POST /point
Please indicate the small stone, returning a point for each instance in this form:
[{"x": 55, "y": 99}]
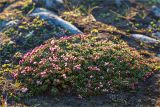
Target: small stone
[
  {"x": 139, "y": 100},
  {"x": 7, "y": 61},
  {"x": 153, "y": 101}
]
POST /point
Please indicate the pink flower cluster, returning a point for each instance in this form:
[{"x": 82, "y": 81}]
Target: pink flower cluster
[
  {"x": 66, "y": 37},
  {"x": 43, "y": 61},
  {"x": 53, "y": 59},
  {"x": 93, "y": 68},
  {"x": 149, "y": 74},
  {"x": 15, "y": 75},
  {"x": 56, "y": 67},
  {"x": 28, "y": 69},
  {"x": 43, "y": 74},
  {"x": 77, "y": 67},
  {"x": 82, "y": 36},
  {"x": 30, "y": 53},
  {"x": 54, "y": 47}
]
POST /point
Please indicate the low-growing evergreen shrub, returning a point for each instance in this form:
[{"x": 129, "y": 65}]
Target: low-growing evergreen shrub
[{"x": 86, "y": 65}]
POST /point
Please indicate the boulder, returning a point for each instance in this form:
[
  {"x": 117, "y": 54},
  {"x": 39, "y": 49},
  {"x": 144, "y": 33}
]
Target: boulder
[
  {"x": 144, "y": 38},
  {"x": 2, "y": 24},
  {"x": 54, "y": 19},
  {"x": 157, "y": 35},
  {"x": 156, "y": 11},
  {"x": 50, "y": 4}
]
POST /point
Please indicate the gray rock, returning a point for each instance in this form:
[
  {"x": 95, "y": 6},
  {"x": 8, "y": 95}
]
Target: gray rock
[
  {"x": 50, "y": 4},
  {"x": 5, "y": 25},
  {"x": 156, "y": 11},
  {"x": 2, "y": 24},
  {"x": 157, "y": 35},
  {"x": 7, "y": 61},
  {"x": 55, "y": 20},
  {"x": 118, "y": 3},
  {"x": 144, "y": 38}
]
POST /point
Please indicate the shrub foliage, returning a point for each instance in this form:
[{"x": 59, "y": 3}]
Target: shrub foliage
[{"x": 82, "y": 64}]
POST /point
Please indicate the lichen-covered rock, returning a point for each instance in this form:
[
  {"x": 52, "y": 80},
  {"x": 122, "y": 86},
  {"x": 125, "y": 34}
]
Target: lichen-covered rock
[
  {"x": 144, "y": 38},
  {"x": 53, "y": 19},
  {"x": 157, "y": 35},
  {"x": 5, "y": 25},
  {"x": 2, "y": 24},
  {"x": 156, "y": 11}
]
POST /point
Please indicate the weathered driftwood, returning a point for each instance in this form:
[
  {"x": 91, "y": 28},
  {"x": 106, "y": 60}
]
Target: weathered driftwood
[{"x": 52, "y": 18}]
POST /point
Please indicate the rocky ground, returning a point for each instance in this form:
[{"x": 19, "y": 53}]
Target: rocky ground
[{"x": 136, "y": 23}]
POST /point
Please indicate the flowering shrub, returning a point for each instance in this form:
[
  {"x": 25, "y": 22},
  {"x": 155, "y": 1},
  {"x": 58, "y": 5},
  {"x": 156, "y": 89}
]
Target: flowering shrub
[{"x": 82, "y": 64}]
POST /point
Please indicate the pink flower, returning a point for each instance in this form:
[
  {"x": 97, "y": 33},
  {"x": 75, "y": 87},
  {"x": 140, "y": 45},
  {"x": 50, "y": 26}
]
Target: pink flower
[
  {"x": 77, "y": 67},
  {"x": 64, "y": 76},
  {"x": 30, "y": 53},
  {"x": 66, "y": 37},
  {"x": 43, "y": 61},
  {"x": 73, "y": 58},
  {"x": 96, "y": 57},
  {"x": 28, "y": 69},
  {"x": 43, "y": 74},
  {"x": 91, "y": 76},
  {"x": 23, "y": 71},
  {"x": 35, "y": 63},
  {"x": 50, "y": 59},
  {"x": 93, "y": 68},
  {"x": 65, "y": 58},
  {"x": 15, "y": 75},
  {"x": 55, "y": 59},
  {"x": 56, "y": 67},
  {"x": 52, "y": 49}
]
